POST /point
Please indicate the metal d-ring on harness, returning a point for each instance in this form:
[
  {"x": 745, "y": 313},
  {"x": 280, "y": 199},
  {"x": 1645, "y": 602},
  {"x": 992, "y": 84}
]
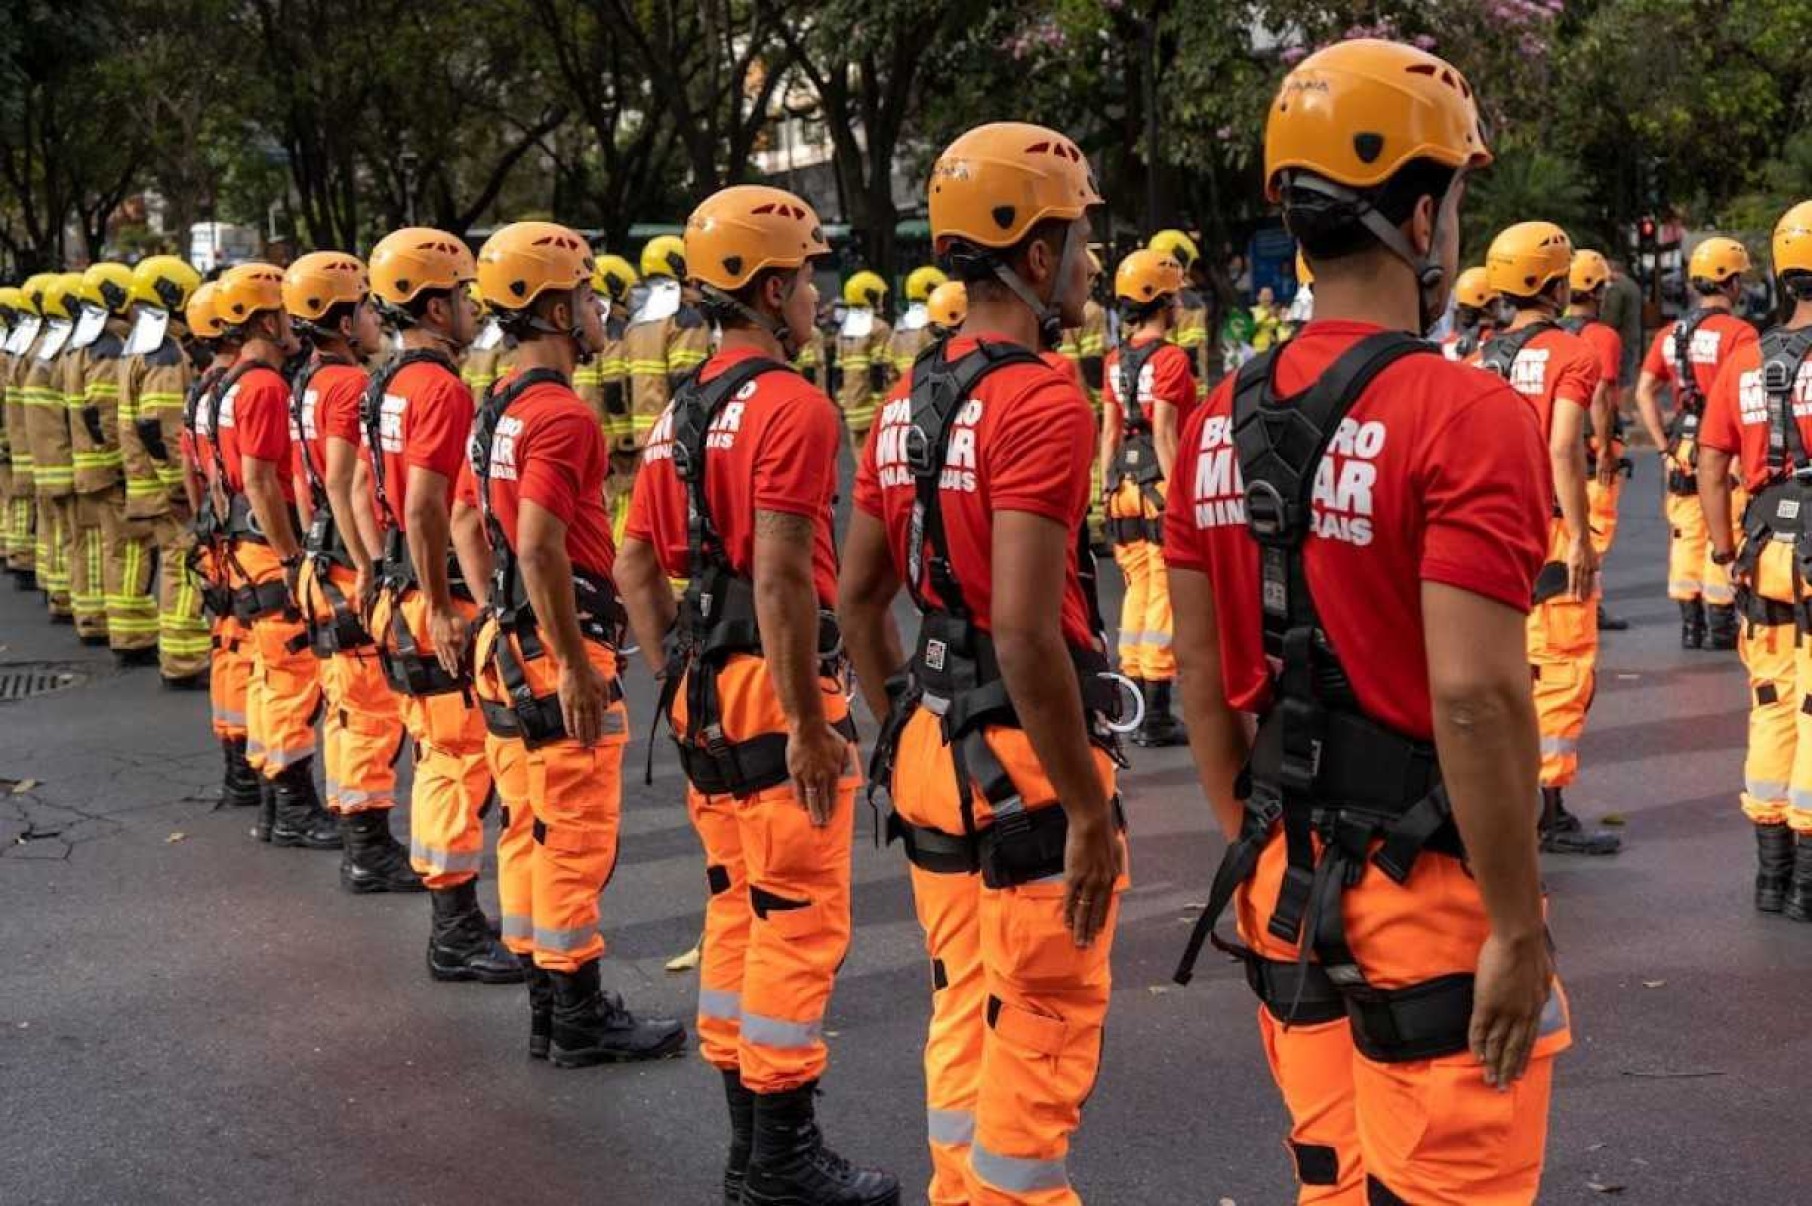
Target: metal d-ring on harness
[
  {"x": 1320, "y": 767},
  {"x": 406, "y": 668},
  {"x": 322, "y": 544},
  {"x": 1136, "y": 461},
  {"x": 1779, "y": 512},
  {"x": 209, "y": 526},
  {"x": 255, "y": 600},
  {"x": 1689, "y": 407},
  {"x": 717, "y": 616},
  {"x": 536, "y": 719},
  {"x": 954, "y": 672}
]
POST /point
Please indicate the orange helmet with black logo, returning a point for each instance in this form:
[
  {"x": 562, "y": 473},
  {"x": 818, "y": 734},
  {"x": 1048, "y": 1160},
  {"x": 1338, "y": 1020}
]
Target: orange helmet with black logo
[
  {"x": 246, "y": 291},
  {"x": 1528, "y": 257},
  {"x": 995, "y": 183},
  {"x": 321, "y": 280},
  {"x": 1146, "y": 275},
  {"x": 738, "y": 232},
  {"x": 526, "y": 259}
]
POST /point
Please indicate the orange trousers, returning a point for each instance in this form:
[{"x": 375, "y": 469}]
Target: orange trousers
[
  {"x": 1601, "y": 510},
  {"x": 1017, "y": 1010},
  {"x": 362, "y": 725},
  {"x": 1563, "y": 658},
  {"x": 1777, "y": 765},
  {"x": 777, "y": 921},
  {"x": 229, "y": 677},
  {"x": 1145, "y": 620},
  {"x": 284, "y": 697},
  {"x": 452, "y": 781},
  {"x": 563, "y": 805},
  {"x": 1431, "y": 1132},
  {"x": 1690, "y": 572}
]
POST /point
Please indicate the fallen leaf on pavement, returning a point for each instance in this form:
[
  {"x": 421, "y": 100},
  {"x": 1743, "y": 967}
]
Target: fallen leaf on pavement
[
  {"x": 23, "y": 786},
  {"x": 1603, "y": 1187},
  {"x": 685, "y": 962},
  {"x": 1654, "y": 984},
  {"x": 1614, "y": 819},
  {"x": 178, "y": 836}
]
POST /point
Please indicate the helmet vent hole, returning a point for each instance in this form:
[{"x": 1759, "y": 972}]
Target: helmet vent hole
[
  {"x": 1368, "y": 147},
  {"x": 519, "y": 288},
  {"x": 1003, "y": 216},
  {"x": 733, "y": 265}
]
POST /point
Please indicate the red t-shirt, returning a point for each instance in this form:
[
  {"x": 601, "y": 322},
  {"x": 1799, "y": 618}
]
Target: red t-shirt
[
  {"x": 1717, "y": 337},
  {"x": 330, "y": 407},
  {"x": 1165, "y": 378},
  {"x": 426, "y": 423},
  {"x": 772, "y": 448},
  {"x": 1736, "y": 413},
  {"x": 254, "y": 422},
  {"x": 1025, "y": 441},
  {"x": 549, "y": 450},
  {"x": 1555, "y": 366},
  {"x": 1604, "y": 340},
  {"x": 1069, "y": 368},
  {"x": 1438, "y": 473}
]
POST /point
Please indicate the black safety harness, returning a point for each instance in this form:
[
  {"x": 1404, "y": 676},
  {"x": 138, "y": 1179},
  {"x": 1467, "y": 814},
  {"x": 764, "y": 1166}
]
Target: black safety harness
[
  {"x": 255, "y": 600},
  {"x": 1137, "y": 458},
  {"x": 209, "y": 525},
  {"x": 535, "y": 719},
  {"x": 1321, "y": 769},
  {"x": 954, "y": 672},
  {"x": 1780, "y": 511},
  {"x": 407, "y": 669},
  {"x": 1689, "y": 407},
  {"x": 717, "y": 617},
  {"x": 1468, "y": 341},
  {"x": 322, "y": 545}
]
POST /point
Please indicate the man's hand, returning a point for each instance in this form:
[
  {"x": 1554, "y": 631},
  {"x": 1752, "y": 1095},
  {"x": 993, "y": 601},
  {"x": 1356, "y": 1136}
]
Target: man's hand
[
  {"x": 364, "y": 588},
  {"x": 1515, "y": 978},
  {"x": 292, "y": 580},
  {"x": 1091, "y": 867},
  {"x": 1582, "y": 567},
  {"x": 1607, "y": 469},
  {"x": 584, "y": 696},
  {"x": 451, "y": 634},
  {"x": 816, "y": 757}
]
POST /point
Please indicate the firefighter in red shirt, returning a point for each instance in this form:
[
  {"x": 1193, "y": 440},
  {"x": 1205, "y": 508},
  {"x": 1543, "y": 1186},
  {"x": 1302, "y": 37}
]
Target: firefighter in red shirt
[
  {"x": 264, "y": 546},
  {"x": 972, "y": 495},
  {"x": 417, "y": 419},
  {"x": 1148, "y": 391},
  {"x": 1687, "y": 356},
  {"x": 1559, "y": 373},
  {"x": 1353, "y": 565},
  {"x": 327, "y": 295},
  {"x": 1607, "y": 465},
  {"x": 1760, "y": 413},
  {"x": 540, "y": 461},
  {"x": 735, "y": 494}
]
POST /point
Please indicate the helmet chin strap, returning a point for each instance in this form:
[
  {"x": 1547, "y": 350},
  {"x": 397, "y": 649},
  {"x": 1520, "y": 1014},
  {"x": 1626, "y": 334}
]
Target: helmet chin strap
[
  {"x": 777, "y": 327},
  {"x": 1049, "y": 314},
  {"x": 1430, "y": 275}
]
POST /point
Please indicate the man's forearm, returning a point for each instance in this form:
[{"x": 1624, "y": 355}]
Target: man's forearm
[
  {"x": 1570, "y": 491},
  {"x": 472, "y": 550},
  {"x": 1041, "y": 682},
  {"x": 786, "y": 608},
  {"x": 647, "y": 598},
  {"x": 1219, "y": 745},
  {"x": 547, "y": 575},
  {"x": 345, "y": 511},
  {"x": 1488, "y": 748},
  {"x": 430, "y": 530},
  {"x": 1714, "y": 496},
  {"x": 1648, "y": 405},
  {"x": 266, "y": 497}
]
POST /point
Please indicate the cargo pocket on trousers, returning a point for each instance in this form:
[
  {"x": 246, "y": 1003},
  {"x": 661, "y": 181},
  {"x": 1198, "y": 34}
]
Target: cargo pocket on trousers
[
  {"x": 1028, "y": 1029},
  {"x": 791, "y": 919},
  {"x": 1034, "y": 942}
]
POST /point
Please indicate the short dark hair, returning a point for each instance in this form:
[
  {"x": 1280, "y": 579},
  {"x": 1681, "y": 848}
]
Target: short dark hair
[{"x": 1330, "y": 230}]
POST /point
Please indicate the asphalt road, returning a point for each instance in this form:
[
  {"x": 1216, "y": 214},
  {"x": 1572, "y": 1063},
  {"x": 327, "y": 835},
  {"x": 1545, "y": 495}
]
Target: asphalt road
[{"x": 189, "y": 1017}]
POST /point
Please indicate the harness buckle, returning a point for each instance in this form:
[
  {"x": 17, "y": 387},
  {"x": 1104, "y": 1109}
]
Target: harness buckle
[
  {"x": 1301, "y": 745},
  {"x": 918, "y": 452},
  {"x": 1267, "y": 514}
]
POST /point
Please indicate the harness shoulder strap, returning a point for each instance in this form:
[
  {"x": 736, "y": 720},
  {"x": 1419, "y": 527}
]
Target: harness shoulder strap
[
  {"x": 495, "y": 405},
  {"x": 1500, "y": 354},
  {"x": 1783, "y": 354},
  {"x": 1686, "y": 385},
  {"x": 298, "y": 396},
  {"x": 1133, "y": 419},
  {"x": 216, "y": 401},
  {"x": 371, "y": 414},
  {"x": 696, "y": 405}
]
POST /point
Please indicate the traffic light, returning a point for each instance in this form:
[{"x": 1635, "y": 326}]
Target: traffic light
[{"x": 1645, "y": 234}]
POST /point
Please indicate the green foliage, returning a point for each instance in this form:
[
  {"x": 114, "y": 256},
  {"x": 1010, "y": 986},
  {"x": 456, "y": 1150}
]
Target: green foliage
[{"x": 1525, "y": 184}]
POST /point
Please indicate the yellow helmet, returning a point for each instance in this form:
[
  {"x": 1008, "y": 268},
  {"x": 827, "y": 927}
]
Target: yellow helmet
[
  {"x": 1146, "y": 275},
  {"x": 996, "y": 182},
  {"x": 665, "y": 255},
  {"x": 32, "y": 292},
  {"x": 1356, "y": 112},
  {"x": 1717, "y": 259},
  {"x": 1793, "y": 240},
  {"x": 920, "y": 282},
  {"x": 164, "y": 281},
  {"x": 526, "y": 259},
  {"x": 477, "y": 296},
  {"x": 1590, "y": 270},
  {"x": 246, "y": 291},
  {"x": 613, "y": 278},
  {"x": 1474, "y": 289},
  {"x": 1305, "y": 275},
  {"x": 1528, "y": 257},
  {"x": 11, "y": 299},
  {"x": 107, "y": 286},
  {"x": 1181, "y": 247},
  {"x": 948, "y": 305},
  {"x": 59, "y": 296},
  {"x": 865, "y": 288}
]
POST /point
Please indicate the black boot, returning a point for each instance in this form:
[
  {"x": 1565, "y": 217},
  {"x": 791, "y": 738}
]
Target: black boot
[
  {"x": 540, "y": 1004},
  {"x": 592, "y": 1026},
  {"x": 187, "y": 682},
  {"x": 25, "y": 580},
  {"x": 462, "y": 947},
  {"x": 790, "y": 1165},
  {"x": 1799, "y": 889},
  {"x": 1773, "y": 866},
  {"x": 267, "y": 809},
  {"x": 301, "y": 821},
  {"x": 1561, "y": 832},
  {"x": 1160, "y": 728},
  {"x": 1610, "y": 623},
  {"x": 239, "y": 789},
  {"x": 1721, "y": 629},
  {"x": 742, "y": 1134},
  {"x": 135, "y": 657},
  {"x": 374, "y": 861},
  {"x": 1692, "y": 624}
]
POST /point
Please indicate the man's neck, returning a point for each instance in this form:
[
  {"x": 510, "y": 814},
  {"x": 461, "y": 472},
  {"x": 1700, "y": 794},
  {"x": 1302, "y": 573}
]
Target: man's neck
[
  {"x": 334, "y": 349},
  {"x": 1010, "y": 318},
  {"x": 428, "y": 339},
  {"x": 1151, "y": 328},
  {"x": 1717, "y": 301},
  {"x": 547, "y": 352},
  {"x": 1529, "y": 317},
  {"x": 1586, "y": 310},
  {"x": 754, "y": 339},
  {"x": 1389, "y": 299},
  {"x": 262, "y": 351},
  {"x": 1801, "y": 316}
]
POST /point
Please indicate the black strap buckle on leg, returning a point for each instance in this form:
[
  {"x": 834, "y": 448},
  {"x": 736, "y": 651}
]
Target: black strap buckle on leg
[{"x": 1237, "y": 867}]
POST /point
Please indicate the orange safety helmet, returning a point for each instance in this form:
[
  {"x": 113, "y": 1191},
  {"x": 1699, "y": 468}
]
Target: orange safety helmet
[
  {"x": 1717, "y": 259},
  {"x": 738, "y": 232},
  {"x": 246, "y": 291},
  {"x": 202, "y": 317},
  {"x": 1528, "y": 257},
  {"x": 995, "y": 183},
  {"x": 410, "y": 261},
  {"x": 1357, "y": 112},
  {"x": 948, "y": 305},
  {"x": 321, "y": 280},
  {"x": 1793, "y": 240},
  {"x": 1473, "y": 289},
  {"x": 525, "y": 259},
  {"x": 1590, "y": 270},
  {"x": 1146, "y": 275}
]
